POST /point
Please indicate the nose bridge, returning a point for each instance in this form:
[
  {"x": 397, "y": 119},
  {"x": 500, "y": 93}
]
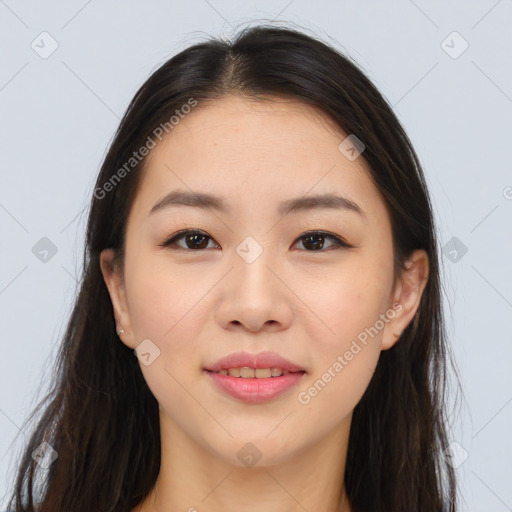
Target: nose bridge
[
  {"x": 251, "y": 264},
  {"x": 250, "y": 249}
]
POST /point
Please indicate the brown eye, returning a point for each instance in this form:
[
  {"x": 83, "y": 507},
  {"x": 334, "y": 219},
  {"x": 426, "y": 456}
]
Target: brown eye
[
  {"x": 194, "y": 240},
  {"x": 314, "y": 241}
]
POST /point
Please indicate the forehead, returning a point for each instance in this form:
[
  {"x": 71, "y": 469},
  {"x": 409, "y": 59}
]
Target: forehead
[
  {"x": 255, "y": 151},
  {"x": 274, "y": 127}
]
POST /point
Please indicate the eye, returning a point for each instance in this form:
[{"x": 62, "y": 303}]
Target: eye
[
  {"x": 315, "y": 240},
  {"x": 196, "y": 240}
]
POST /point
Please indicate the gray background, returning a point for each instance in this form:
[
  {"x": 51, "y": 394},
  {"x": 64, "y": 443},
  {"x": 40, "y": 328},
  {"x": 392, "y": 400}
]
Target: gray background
[{"x": 59, "y": 113}]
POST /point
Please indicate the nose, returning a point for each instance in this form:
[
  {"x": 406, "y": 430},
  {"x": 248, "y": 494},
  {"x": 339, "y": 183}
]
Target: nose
[{"x": 255, "y": 297}]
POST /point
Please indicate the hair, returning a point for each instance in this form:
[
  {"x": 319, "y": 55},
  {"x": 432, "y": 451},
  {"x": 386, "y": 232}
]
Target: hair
[{"x": 101, "y": 417}]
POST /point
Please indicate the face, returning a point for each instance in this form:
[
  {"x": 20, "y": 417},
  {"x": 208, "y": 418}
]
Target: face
[{"x": 262, "y": 270}]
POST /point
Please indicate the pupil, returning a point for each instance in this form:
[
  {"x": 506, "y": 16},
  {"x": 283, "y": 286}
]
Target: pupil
[
  {"x": 317, "y": 245},
  {"x": 193, "y": 239}
]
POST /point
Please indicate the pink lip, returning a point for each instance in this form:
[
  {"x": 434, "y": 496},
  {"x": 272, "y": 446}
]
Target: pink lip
[
  {"x": 255, "y": 390},
  {"x": 261, "y": 360}
]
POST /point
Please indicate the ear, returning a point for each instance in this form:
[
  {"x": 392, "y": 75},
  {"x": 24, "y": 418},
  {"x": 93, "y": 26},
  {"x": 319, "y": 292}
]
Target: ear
[
  {"x": 407, "y": 294},
  {"x": 114, "y": 279}
]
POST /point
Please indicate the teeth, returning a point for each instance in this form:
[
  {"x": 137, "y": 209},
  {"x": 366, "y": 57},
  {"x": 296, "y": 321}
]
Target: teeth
[
  {"x": 251, "y": 373},
  {"x": 262, "y": 373},
  {"x": 247, "y": 373}
]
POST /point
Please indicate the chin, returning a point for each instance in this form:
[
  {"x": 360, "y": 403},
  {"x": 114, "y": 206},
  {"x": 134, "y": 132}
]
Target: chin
[{"x": 252, "y": 451}]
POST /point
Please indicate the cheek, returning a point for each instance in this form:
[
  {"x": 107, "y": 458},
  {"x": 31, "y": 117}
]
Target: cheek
[
  {"x": 166, "y": 309},
  {"x": 345, "y": 355},
  {"x": 163, "y": 303},
  {"x": 347, "y": 325},
  {"x": 152, "y": 305},
  {"x": 347, "y": 300},
  {"x": 330, "y": 396}
]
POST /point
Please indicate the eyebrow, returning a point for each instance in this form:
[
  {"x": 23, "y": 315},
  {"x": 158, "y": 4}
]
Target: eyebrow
[{"x": 177, "y": 198}]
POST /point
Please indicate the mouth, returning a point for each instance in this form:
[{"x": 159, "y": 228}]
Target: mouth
[
  {"x": 247, "y": 372},
  {"x": 254, "y": 385},
  {"x": 254, "y": 378},
  {"x": 260, "y": 366}
]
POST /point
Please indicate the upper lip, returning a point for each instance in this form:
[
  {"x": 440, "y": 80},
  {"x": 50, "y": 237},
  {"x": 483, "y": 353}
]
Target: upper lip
[{"x": 261, "y": 360}]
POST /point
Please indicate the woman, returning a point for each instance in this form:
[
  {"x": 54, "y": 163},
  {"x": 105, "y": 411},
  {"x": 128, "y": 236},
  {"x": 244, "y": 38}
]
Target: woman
[{"x": 262, "y": 240}]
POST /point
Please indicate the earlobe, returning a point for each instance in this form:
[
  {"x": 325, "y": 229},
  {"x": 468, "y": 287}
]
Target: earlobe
[
  {"x": 112, "y": 275},
  {"x": 408, "y": 293}
]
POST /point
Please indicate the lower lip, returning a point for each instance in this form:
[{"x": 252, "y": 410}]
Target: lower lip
[{"x": 255, "y": 391}]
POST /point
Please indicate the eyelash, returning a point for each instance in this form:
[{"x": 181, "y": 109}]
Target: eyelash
[{"x": 339, "y": 242}]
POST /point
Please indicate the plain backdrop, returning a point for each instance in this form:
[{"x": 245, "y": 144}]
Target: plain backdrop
[{"x": 69, "y": 69}]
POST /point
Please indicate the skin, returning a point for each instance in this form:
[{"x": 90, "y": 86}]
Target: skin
[{"x": 307, "y": 305}]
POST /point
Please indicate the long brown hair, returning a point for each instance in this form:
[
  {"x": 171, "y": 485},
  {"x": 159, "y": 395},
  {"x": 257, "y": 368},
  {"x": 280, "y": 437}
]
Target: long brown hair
[{"x": 100, "y": 416}]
